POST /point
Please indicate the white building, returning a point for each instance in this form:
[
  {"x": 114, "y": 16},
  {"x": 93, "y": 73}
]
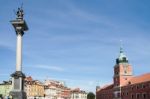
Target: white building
[
  {"x": 52, "y": 92},
  {"x": 78, "y": 94},
  {"x": 56, "y": 90}
]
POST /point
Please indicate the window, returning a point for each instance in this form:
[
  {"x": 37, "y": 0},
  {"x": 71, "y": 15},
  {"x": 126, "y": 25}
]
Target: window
[
  {"x": 137, "y": 87},
  {"x": 124, "y": 58},
  {"x": 143, "y": 86},
  {"x": 144, "y": 96},
  {"x": 125, "y": 71},
  {"x": 77, "y": 96},
  {"x": 132, "y": 96},
  {"x": 127, "y": 93},
  {"x": 116, "y": 72},
  {"x": 118, "y": 94},
  {"x": 137, "y": 96},
  {"x": 132, "y": 87}
]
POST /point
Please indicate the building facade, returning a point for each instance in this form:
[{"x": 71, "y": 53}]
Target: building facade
[
  {"x": 50, "y": 89},
  {"x": 33, "y": 88},
  {"x": 5, "y": 88},
  {"x": 125, "y": 85},
  {"x": 56, "y": 90},
  {"x": 78, "y": 94}
]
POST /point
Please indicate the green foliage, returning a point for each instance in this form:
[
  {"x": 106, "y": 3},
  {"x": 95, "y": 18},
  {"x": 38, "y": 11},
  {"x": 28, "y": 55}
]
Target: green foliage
[{"x": 91, "y": 95}]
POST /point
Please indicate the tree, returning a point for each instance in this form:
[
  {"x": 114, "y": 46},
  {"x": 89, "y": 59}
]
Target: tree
[{"x": 91, "y": 95}]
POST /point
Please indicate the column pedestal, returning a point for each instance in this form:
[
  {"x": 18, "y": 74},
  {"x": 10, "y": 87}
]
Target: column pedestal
[
  {"x": 18, "y": 85},
  {"x": 18, "y": 95}
]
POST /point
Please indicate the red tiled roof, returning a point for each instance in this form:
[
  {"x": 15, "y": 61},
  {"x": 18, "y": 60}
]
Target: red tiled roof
[
  {"x": 28, "y": 78},
  {"x": 139, "y": 79},
  {"x": 133, "y": 80},
  {"x": 77, "y": 90}
]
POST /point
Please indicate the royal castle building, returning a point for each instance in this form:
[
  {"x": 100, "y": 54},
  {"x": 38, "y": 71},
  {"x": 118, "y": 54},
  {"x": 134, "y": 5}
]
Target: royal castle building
[{"x": 125, "y": 85}]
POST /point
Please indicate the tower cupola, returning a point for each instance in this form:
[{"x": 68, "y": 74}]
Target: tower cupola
[{"x": 122, "y": 57}]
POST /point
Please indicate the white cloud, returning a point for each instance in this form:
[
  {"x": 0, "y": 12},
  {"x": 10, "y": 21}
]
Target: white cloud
[{"x": 54, "y": 68}]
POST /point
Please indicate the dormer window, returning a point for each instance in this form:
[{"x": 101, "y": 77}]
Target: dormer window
[
  {"x": 124, "y": 58},
  {"x": 117, "y": 61},
  {"x": 130, "y": 83}
]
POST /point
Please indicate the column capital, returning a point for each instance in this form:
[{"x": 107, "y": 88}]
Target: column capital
[
  {"x": 18, "y": 74},
  {"x": 19, "y": 32}
]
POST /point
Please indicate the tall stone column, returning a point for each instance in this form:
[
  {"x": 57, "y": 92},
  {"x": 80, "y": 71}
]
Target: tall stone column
[
  {"x": 19, "y": 51},
  {"x": 18, "y": 76}
]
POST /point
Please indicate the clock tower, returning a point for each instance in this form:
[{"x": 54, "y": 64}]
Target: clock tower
[{"x": 122, "y": 73}]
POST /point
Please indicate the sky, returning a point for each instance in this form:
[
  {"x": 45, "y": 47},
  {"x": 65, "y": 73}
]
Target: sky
[{"x": 76, "y": 41}]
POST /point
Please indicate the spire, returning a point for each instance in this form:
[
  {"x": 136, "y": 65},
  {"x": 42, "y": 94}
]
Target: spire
[
  {"x": 121, "y": 47},
  {"x": 121, "y": 54}
]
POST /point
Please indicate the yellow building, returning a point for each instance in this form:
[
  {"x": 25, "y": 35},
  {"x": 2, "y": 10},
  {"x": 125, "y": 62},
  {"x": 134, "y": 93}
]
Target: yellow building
[{"x": 34, "y": 88}]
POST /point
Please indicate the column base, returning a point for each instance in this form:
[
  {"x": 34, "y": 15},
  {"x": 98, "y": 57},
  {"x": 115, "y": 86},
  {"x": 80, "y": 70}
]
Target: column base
[
  {"x": 18, "y": 95},
  {"x": 18, "y": 86}
]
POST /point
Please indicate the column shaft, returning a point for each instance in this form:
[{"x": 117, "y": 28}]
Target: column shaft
[{"x": 19, "y": 53}]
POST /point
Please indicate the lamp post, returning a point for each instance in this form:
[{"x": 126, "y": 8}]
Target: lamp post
[{"x": 18, "y": 76}]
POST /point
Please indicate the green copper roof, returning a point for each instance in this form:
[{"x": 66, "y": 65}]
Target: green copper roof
[
  {"x": 121, "y": 54},
  {"x": 122, "y": 57}
]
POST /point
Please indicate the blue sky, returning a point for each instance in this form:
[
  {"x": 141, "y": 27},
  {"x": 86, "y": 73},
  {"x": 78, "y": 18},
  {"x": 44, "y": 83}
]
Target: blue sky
[{"x": 76, "y": 41}]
